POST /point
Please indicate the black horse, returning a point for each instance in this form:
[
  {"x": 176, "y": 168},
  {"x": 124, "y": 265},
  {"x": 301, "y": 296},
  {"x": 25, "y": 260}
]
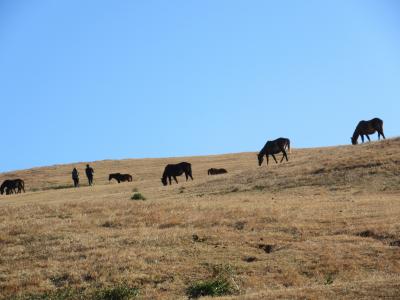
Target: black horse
[
  {"x": 120, "y": 177},
  {"x": 366, "y": 128},
  {"x": 214, "y": 171},
  {"x": 12, "y": 186},
  {"x": 274, "y": 147},
  {"x": 173, "y": 170}
]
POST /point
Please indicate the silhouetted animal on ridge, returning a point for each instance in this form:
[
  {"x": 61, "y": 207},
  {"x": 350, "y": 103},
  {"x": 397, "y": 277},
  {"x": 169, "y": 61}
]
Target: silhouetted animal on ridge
[
  {"x": 173, "y": 170},
  {"x": 214, "y": 171},
  {"x": 120, "y": 177},
  {"x": 366, "y": 128},
  {"x": 12, "y": 186},
  {"x": 274, "y": 147}
]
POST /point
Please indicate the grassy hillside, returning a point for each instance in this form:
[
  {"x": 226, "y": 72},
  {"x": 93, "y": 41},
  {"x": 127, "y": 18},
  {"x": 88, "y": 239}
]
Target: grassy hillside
[{"x": 323, "y": 225}]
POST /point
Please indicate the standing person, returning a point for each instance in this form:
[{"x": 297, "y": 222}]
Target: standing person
[
  {"x": 89, "y": 173},
  {"x": 75, "y": 177}
]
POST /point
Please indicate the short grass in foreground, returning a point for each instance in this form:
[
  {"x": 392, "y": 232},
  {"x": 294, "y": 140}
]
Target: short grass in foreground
[{"x": 324, "y": 225}]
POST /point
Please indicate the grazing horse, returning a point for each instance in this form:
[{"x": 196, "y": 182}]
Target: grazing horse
[
  {"x": 173, "y": 170},
  {"x": 366, "y": 128},
  {"x": 12, "y": 186},
  {"x": 214, "y": 171},
  {"x": 120, "y": 177},
  {"x": 274, "y": 147}
]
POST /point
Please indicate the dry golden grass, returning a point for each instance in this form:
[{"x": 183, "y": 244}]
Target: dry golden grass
[{"x": 329, "y": 219}]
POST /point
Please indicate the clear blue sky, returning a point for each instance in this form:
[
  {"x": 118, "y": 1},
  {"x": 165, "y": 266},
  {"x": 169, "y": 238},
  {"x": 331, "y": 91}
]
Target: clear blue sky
[{"x": 91, "y": 80}]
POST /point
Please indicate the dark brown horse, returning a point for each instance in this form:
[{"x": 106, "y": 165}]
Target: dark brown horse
[
  {"x": 173, "y": 170},
  {"x": 12, "y": 186},
  {"x": 366, "y": 128},
  {"x": 274, "y": 147},
  {"x": 214, "y": 171},
  {"x": 120, "y": 177}
]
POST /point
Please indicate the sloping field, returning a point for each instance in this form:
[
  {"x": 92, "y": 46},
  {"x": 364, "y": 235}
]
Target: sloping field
[{"x": 326, "y": 224}]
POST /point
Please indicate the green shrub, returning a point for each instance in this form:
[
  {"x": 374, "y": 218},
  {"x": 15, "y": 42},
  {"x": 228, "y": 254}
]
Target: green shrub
[
  {"x": 121, "y": 292},
  {"x": 138, "y": 196},
  {"x": 213, "y": 287}
]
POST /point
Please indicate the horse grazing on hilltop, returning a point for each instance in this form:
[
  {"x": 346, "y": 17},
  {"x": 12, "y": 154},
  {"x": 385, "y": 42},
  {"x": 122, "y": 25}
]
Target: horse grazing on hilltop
[
  {"x": 274, "y": 147},
  {"x": 366, "y": 128},
  {"x": 120, "y": 177},
  {"x": 173, "y": 170},
  {"x": 214, "y": 171},
  {"x": 12, "y": 186}
]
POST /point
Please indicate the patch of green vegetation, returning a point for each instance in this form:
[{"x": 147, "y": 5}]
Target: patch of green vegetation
[
  {"x": 119, "y": 292},
  {"x": 221, "y": 283},
  {"x": 212, "y": 287},
  {"x": 138, "y": 196}
]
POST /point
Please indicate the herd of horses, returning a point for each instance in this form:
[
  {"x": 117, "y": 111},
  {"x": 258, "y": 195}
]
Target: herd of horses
[{"x": 280, "y": 145}]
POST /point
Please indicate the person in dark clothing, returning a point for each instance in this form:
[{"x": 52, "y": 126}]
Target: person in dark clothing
[
  {"x": 75, "y": 177},
  {"x": 89, "y": 173}
]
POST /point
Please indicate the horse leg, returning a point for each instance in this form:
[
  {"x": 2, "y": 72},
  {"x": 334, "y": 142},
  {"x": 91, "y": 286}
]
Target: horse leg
[
  {"x": 284, "y": 155},
  {"x": 175, "y": 179},
  {"x": 273, "y": 156},
  {"x": 190, "y": 175},
  {"x": 362, "y": 138},
  {"x": 267, "y": 158},
  {"x": 186, "y": 175},
  {"x": 368, "y": 138},
  {"x": 169, "y": 178}
]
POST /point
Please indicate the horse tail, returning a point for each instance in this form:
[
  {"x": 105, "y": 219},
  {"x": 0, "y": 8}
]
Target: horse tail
[
  {"x": 22, "y": 184},
  {"x": 190, "y": 171},
  {"x": 288, "y": 145}
]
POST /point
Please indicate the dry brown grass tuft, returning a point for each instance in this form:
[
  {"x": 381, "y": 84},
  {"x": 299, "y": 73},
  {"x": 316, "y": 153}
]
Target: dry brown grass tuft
[{"x": 324, "y": 225}]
